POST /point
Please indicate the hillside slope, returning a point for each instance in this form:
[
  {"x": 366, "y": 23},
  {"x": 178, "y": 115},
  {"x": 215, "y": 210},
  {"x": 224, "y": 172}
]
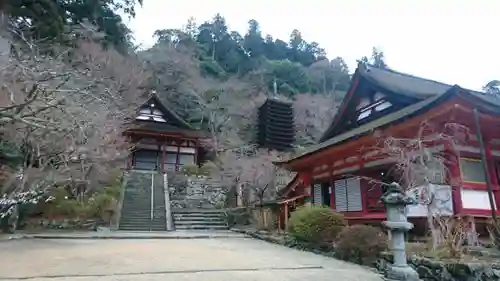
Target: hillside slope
[{"x": 216, "y": 79}]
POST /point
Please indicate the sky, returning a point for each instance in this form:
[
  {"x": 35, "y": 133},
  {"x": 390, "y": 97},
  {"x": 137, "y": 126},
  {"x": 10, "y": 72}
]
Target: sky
[{"x": 455, "y": 42}]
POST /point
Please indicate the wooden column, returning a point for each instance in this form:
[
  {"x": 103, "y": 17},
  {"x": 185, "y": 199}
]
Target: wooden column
[
  {"x": 286, "y": 215},
  {"x": 177, "y": 166},
  {"x": 454, "y": 177},
  {"x": 163, "y": 156},
  {"x": 332, "y": 192},
  {"x": 484, "y": 158},
  {"x": 492, "y": 172}
]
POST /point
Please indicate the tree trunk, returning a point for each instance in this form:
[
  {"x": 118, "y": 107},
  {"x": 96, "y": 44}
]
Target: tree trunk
[{"x": 435, "y": 231}]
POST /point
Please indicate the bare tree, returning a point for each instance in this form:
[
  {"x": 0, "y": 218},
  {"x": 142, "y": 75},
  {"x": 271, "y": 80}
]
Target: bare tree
[
  {"x": 252, "y": 170},
  {"x": 420, "y": 162},
  {"x": 66, "y": 112},
  {"x": 313, "y": 115}
]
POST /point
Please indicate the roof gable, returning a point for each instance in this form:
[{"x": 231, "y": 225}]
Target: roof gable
[
  {"x": 400, "y": 88},
  {"x": 160, "y": 114}
]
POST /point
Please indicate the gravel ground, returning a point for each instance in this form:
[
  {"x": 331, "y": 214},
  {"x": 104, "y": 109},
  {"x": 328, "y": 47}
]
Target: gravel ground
[{"x": 234, "y": 259}]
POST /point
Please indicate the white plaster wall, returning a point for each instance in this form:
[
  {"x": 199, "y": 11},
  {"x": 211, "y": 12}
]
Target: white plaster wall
[
  {"x": 443, "y": 204},
  {"x": 475, "y": 199}
]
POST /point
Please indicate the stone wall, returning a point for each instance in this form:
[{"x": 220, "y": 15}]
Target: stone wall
[
  {"x": 62, "y": 224},
  {"x": 430, "y": 270},
  {"x": 193, "y": 192}
]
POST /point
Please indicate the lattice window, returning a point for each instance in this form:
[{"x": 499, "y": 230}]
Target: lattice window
[
  {"x": 472, "y": 170},
  {"x": 368, "y": 106},
  {"x": 151, "y": 113},
  {"x": 348, "y": 195},
  {"x": 317, "y": 195}
]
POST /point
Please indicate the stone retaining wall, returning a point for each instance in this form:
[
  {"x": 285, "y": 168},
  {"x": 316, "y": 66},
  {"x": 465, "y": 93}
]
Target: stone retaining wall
[
  {"x": 62, "y": 224},
  {"x": 430, "y": 270},
  {"x": 192, "y": 192}
]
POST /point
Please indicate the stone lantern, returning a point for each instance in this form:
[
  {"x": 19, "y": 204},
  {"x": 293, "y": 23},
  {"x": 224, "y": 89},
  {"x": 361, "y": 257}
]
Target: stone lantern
[{"x": 395, "y": 201}]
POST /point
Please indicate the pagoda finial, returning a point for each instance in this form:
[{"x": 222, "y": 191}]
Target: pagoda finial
[{"x": 275, "y": 87}]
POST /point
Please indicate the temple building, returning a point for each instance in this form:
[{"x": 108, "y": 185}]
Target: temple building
[
  {"x": 162, "y": 140},
  {"x": 347, "y": 169}
]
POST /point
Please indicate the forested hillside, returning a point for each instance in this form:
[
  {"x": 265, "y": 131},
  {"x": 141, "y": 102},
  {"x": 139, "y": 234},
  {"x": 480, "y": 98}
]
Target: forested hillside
[{"x": 207, "y": 70}]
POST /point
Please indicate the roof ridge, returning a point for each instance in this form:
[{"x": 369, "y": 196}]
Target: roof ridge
[
  {"x": 166, "y": 106},
  {"x": 407, "y": 75}
]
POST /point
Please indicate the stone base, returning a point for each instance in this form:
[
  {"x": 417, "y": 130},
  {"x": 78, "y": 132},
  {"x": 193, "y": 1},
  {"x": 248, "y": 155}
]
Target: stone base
[{"x": 401, "y": 273}]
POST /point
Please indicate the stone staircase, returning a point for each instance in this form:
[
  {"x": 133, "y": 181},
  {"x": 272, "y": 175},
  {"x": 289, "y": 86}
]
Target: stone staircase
[
  {"x": 199, "y": 219},
  {"x": 136, "y": 204}
]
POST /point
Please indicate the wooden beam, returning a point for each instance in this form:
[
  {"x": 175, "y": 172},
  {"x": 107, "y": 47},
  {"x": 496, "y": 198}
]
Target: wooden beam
[{"x": 328, "y": 154}]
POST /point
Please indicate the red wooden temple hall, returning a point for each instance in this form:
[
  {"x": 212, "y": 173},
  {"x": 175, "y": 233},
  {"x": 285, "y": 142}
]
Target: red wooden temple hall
[
  {"x": 383, "y": 102},
  {"x": 162, "y": 140}
]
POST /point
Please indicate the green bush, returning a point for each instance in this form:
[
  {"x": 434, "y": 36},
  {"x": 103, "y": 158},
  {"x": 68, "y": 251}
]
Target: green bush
[
  {"x": 361, "y": 243},
  {"x": 93, "y": 207},
  {"x": 73, "y": 209},
  {"x": 315, "y": 224}
]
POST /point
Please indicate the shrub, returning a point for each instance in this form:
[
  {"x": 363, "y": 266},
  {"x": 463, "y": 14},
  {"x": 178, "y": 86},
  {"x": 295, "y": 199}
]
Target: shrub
[
  {"x": 361, "y": 243},
  {"x": 315, "y": 224}
]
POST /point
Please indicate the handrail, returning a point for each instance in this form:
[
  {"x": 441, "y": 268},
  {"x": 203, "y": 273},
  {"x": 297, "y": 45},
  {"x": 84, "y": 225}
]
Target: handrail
[
  {"x": 152, "y": 195},
  {"x": 168, "y": 210},
  {"x": 291, "y": 199}
]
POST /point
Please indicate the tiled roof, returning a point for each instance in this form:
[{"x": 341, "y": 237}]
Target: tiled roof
[{"x": 427, "y": 91}]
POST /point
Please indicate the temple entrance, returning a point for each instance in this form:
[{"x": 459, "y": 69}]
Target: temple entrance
[
  {"x": 146, "y": 159},
  {"x": 173, "y": 158}
]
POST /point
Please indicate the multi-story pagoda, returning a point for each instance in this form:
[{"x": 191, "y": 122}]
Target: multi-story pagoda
[{"x": 276, "y": 125}]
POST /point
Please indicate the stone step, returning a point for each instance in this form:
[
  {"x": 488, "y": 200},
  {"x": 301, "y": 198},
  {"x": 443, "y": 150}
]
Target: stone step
[
  {"x": 137, "y": 211},
  {"x": 205, "y": 211},
  {"x": 128, "y": 228},
  {"x": 200, "y": 227},
  {"x": 144, "y": 225},
  {"x": 200, "y": 222},
  {"x": 136, "y": 218},
  {"x": 141, "y": 224},
  {"x": 196, "y": 218},
  {"x": 141, "y": 204},
  {"x": 199, "y": 217},
  {"x": 136, "y": 206},
  {"x": 137, "y": 200},
  {"x": 187, "y": 213},
  {"x": 131, "y": 193}
]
